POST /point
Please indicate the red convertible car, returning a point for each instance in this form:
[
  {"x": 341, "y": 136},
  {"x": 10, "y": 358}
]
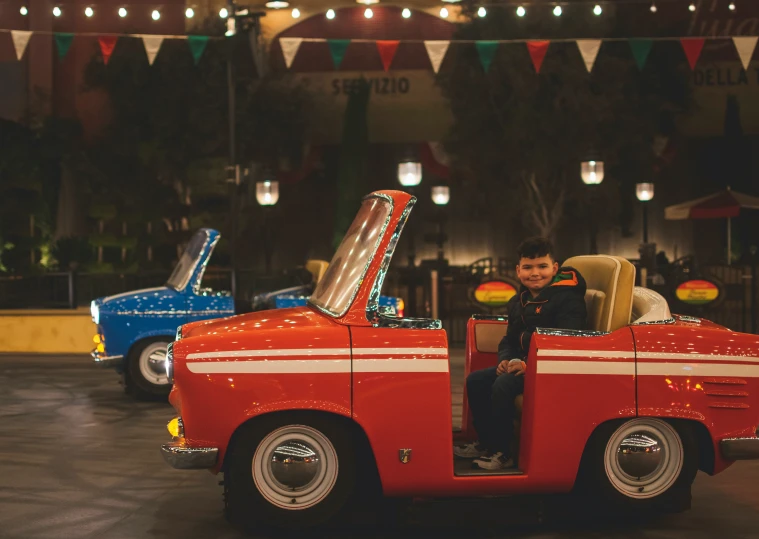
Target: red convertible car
[{"x": 298, "y": 406}]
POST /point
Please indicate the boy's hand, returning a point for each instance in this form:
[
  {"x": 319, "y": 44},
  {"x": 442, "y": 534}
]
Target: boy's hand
[
  {"x": 503, "y": 367},
  {"x": 516, "y": 367}
]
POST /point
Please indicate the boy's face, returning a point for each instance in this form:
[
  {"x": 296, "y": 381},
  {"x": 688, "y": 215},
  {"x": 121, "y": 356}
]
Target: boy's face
[{"x": 537, "y": 273}]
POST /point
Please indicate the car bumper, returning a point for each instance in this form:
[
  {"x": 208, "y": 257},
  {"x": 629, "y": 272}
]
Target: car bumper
[
  {"x": 104, "y": 360},
  {"x": 181, "y": 457},
  {"x": 740, "y": 448}
]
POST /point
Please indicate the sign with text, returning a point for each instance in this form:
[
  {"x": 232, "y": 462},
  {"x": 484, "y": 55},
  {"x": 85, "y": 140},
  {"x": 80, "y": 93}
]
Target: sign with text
[
  {"x": 697, "y": 292},
  {"x": 494, "y": 294}
]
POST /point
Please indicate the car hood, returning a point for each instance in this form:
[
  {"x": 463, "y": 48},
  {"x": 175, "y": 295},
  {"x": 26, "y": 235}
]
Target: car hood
[
  {"x": 161, "y": 299},
  {"x": 277, "y": 319}
]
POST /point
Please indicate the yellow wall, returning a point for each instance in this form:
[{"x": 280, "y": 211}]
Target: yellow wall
[{"x": 46, "y": 331}]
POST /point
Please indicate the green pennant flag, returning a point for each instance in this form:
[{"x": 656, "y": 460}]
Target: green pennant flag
[
  {"x": 63, "y": 43},
  {"x": 486, "y": 51},
  {"x": 197, "y": 46},
  {"x": 337, "y": 48},
  {"x": 640, "y": 49}
]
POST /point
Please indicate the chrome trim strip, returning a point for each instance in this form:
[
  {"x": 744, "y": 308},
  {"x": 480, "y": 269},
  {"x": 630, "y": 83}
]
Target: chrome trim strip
[
  {"x": 178, "y": 336},
  {"x": 178, "y": 313},
  {"x": 170, "y": 362},
  {"x": 407, "y": 323},
  {"x": 557, "y": 332},
  {"x": 499, "y": 317},
  {"x": 686, "y": 318},
  {"x": 740, "y": 448},
  {"x": 181, "y": 457},
  {"x": 655, "y": 322},
  {"x": 106, "y": 361},
  {"x": 369, "y": 261},
  {"x": 207, "y": 251}
]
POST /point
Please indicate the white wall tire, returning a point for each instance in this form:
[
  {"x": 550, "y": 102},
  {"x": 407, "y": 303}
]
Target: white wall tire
[
  {"x": 262, "y": 490},
  {"x": 146, "y": 367}
]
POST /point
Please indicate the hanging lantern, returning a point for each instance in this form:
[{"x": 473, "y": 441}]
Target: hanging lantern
[
  {"x": 267, "y": 192},
  {"x": 592, "y": 172},
  {"x": 409, "y": 174},
  {"x": 644, "y": 191},
  {"x": 441, "y": 194}
]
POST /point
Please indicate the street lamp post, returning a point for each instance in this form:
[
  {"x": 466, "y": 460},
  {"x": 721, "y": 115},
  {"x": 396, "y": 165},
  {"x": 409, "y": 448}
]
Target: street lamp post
[
  {"x": 410, "y": 176},
  {"x": 441, "y": 195},
  {"x": 592, "y": 174},
  {"x": 267, "y": 195},
  {"x": 645, "y": 192}
]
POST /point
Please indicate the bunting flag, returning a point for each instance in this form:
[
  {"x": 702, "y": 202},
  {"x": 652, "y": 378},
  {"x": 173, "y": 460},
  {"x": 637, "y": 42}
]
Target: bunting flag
[
  {"x": 20, "y": 41},
  {"x": 152, "y": 46},
  {"x": 197, "y": 46},
  {"x": 486, "y": 52},
  {"x": 692, "y": 48},
  {"x": 538, "y": 50},
  {"x": 589, "y": 50},
  {"x": 436, "y": 51},
  {"x": 640, "y": 49},
  {"x": 290, "y": 46},
  {"x": 337, "y": 48},
  {"x": 63, "y": 43},
  {"x": 107, "y": 44},
  {"x": 745, "y": 47},
  {"x": 386, "y": 51}
]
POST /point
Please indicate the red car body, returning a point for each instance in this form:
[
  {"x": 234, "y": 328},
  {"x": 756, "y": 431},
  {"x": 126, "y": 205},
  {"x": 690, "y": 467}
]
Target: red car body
[{"x": 391, "y": 379}]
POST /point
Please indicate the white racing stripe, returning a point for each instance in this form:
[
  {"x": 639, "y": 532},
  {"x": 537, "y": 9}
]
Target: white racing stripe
[
  {"x": 290, "y": 366},
  {"x": 586, "y": 367},
  {"x": 400, "y": 365},
  {"x": 696, "y": 357},
  {"x": 586, "y": 353},
  {"x": 306, "y": 352},
  {"x": 697, "y": 369}
]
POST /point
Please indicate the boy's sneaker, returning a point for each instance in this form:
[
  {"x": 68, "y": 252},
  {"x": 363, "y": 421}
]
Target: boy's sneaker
[
  {"x": 469, "y": 451},
  {"x": 495, "y": 462}
]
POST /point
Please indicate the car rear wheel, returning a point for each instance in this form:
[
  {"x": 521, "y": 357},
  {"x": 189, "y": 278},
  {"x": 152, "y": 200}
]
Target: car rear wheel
[
  {"x": 147, "y": 367},
  {"x": 289, "y": 472},
  {"x": 642, "y": 463}
]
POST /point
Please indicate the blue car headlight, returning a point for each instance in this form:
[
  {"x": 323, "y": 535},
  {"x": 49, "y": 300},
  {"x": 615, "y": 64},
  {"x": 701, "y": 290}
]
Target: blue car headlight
[{"x": 95, "y": 312}]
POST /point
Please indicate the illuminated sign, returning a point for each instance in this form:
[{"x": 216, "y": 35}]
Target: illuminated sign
[
  {"x": 494, "y": 293},
  {"x": 697, "y": 292}
]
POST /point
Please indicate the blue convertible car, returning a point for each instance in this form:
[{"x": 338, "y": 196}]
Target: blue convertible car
[{"x": 135, "y": 328}]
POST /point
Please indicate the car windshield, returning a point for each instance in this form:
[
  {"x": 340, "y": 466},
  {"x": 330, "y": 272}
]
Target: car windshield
[
  {"x": 187, "y": 262},
  {"x": 337, "y": 288}
]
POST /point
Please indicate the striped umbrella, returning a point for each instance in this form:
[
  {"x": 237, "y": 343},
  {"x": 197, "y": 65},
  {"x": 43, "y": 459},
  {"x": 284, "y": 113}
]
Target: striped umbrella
[{"x": 721, "y": 205}]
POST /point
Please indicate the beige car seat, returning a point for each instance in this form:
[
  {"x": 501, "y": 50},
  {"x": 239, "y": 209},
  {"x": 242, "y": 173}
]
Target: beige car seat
[{"x": 317, "y": 268}]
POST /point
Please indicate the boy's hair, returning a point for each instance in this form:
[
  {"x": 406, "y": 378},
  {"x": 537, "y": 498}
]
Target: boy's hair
[{"x": 535, "y": 247}]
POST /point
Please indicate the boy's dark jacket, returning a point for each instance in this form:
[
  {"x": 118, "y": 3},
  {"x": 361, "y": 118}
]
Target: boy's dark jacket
[{"x": 559, "y": 305}]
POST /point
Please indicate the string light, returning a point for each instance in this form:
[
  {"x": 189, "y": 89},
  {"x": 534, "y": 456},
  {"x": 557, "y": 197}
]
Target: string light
[
  {"x": 653, "y": 7},
  {"x": 521, "y": 11},
  {"x": 88, "y": 12},
  {"x": 189, "y": 13},
  {"x": 277, "y": 4},
  {"x": 368, "y": 13},
  {"x": 557, "y": 11},
  {"x": 223, "y": 13},
  {"x": 122, "y": 12},
  {"x": 296, "y": 13},
  {"x": 597, "y": 10},
  {"x": 155, "y": 15},
  {"x": 482, "y": 12},
  {"x": 444, "y": 13},
  {"x": 330, "y": 14},
  {"x": 57, "y": 11},
  {"x": 24, "y": 11},
  {"x": 731, "y": 6},
  {"x": 692, "y": 7},
  {"x": 406, "y": 13}
]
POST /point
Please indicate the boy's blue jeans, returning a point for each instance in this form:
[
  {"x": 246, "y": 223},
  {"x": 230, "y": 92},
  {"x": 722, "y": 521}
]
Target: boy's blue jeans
[{"x": 491, "y": 400}]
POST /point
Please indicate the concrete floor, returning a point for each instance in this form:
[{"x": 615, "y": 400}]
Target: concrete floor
[{"x": 80, "y": 459}]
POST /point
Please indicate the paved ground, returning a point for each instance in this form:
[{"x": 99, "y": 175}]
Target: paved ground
[{"x": 80, "y": 459}]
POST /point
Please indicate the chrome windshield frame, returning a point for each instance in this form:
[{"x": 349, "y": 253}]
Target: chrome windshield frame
[
  {"x": 380, "y": 237},
  {"x": 195, "y": 286}
]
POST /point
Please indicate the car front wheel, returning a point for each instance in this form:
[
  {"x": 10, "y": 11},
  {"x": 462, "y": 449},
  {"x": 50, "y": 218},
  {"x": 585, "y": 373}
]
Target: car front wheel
[
  {"x": 289, "y": 473},
  {"x": 147, "y": 368}
]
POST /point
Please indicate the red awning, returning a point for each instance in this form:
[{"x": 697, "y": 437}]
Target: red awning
[{"x": 724, "y": 204}]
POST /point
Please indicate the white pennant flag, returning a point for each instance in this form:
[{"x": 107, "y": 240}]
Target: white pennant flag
[
  {"x": 20, "y": 41},
  {"x": 290, "y": 46},
  {"x": 745, "y": 47},
  {"x": 589, "y": 51},
  {"x": 436, "y": 51},
  {"x": 152, "y": 46}
]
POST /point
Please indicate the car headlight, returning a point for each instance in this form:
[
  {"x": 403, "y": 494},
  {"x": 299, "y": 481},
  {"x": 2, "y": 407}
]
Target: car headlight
[
  {"x": 170, "y": 363},
  {"x": 95, "y": 312}
]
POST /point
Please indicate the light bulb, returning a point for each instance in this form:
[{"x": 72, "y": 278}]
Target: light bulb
[
  {"x": 189, "y": 13},
  {"x": 482, "y": 12},
  {"x": 88, "y": 12},
  {"x": 155, "y": 15},
  {"x": 406, "y": 13},
  {"x": 368, "y": 13},
  {"x": 444, "y": 13},
  {"x": 557, "y": 11},
  {"x": 296, "y": 13},
  {"x": 122, "y": 12},
  {"x": 653, "y": 7},
  {"x": 521, "y": 11},
  {"x": 24, "y": 11},
  {"x": 223, "y": 13},
  {"x": 731, "y": 6},
  {"x": 692, "y": 7},
  {"x": 57, "y": 11},
  {"x": 330, "y": 14},
  {"x": 597, "y": 10}
]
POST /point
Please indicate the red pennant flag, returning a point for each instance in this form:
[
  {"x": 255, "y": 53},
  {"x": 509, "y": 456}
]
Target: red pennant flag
[
  {"x": 538, "y": 50},
  {"x": 692, "y": 48},
  {"x": 107, "y": 44},
  {"x": 387, "y": 52}
]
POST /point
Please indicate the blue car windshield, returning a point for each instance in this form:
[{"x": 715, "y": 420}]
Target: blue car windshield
[{"x": 188, "y": 262}]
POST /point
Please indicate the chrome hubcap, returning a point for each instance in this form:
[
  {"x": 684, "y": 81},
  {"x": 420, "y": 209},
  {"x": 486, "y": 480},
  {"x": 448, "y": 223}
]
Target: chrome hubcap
[
  {"x": 153, "y": 363},
  {"x": 294, "y": 465},
  {"x": 640, "y": 455}
]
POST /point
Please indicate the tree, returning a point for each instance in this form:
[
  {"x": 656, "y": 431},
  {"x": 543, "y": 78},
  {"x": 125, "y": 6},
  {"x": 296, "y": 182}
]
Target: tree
[{"x": 521, "y": 136}]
